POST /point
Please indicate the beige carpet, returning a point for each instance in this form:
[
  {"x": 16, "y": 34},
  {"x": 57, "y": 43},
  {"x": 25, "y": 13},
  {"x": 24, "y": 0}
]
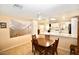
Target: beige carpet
[{"x": 26, "y": 49}]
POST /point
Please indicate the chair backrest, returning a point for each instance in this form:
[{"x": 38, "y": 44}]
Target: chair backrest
[
  {"x": 53, "y": 48},
  {"x": 35, "y": 42},
  {"x": 56, "y": 43},
  {"x": 33, "y": 36}
]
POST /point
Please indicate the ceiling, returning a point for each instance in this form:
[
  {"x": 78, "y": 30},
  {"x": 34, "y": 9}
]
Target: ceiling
[{"x": 43, "y": 10}]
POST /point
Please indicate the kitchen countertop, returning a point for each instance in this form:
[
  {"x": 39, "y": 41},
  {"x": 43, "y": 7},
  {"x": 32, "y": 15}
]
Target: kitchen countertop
[{"x": 60, "y": 34}]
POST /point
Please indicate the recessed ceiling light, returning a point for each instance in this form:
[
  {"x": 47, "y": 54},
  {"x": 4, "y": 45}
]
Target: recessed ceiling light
[{"x": 52, "y": 19}]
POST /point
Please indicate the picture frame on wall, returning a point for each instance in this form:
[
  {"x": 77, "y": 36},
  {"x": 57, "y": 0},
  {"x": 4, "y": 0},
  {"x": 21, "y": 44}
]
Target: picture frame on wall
[{"x": 3, "y": 25}]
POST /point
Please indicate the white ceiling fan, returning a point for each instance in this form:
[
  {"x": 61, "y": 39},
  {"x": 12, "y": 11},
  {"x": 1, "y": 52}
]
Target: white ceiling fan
[{"x": 18, "y": 6}]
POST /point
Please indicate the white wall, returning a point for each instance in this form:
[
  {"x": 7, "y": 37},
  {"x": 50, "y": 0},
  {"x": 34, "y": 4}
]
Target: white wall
[
  {"x": 74, "y": 22},
  {"x": 35, "y": 27},
  {"x": 6, "y": 42},
  {"x": 4, "y": 34}
]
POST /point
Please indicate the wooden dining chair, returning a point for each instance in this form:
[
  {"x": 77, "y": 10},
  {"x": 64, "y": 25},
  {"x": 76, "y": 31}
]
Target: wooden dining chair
[
  {"x": 73, "y": 49},
  {"x": 55, "y": 45},
  {"x": 33, "y": 38},
  {"x": 38, "y": 49},
  {"x": 53, "y": 48},
  {"x": 50, "y": 50},
  {"x": 35, "y": 46}
]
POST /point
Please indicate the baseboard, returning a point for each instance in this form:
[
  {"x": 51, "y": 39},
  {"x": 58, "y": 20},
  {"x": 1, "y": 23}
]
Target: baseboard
[{"x": 12, "y": 47}]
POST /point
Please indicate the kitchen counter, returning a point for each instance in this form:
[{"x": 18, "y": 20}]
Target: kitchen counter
[{"x": 60, "y": 34}]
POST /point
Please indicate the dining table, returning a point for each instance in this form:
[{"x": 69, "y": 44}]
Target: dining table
[{"x": 45, "y": 44}]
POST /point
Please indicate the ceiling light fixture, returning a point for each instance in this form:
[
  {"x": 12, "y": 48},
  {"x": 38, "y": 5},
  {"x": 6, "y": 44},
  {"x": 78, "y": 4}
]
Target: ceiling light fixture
[
  {"x": 18, "y": 6},
  {"x": 52, "y": 19}
]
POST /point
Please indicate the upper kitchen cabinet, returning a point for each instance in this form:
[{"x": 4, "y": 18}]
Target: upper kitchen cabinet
[{"x": 60, "y": 27}]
